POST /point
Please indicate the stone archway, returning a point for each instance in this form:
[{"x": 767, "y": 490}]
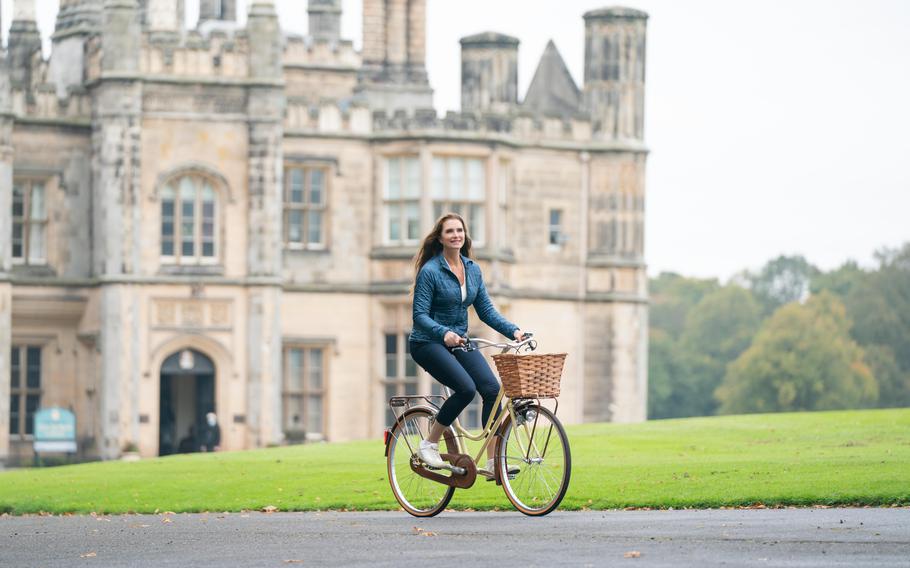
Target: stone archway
[{"x": 186, "y": 395}]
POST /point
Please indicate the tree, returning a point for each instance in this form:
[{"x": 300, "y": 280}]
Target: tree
[
  {"x": 781, "y": 281},
  {"x": 672, "y": 297},
  {"x": 801, "y": 359},
  {"x": 718, "y": 329}
]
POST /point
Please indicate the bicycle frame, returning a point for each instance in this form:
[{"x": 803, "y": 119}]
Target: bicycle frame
[{"x": 495, "y": 421}]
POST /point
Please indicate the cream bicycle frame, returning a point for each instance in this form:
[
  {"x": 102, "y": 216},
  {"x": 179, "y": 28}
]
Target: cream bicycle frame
[{"x": 493, "y": 422}]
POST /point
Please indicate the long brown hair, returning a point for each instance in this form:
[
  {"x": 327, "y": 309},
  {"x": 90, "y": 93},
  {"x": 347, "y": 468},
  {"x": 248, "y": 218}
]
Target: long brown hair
[{"x": 431, "y": 245}]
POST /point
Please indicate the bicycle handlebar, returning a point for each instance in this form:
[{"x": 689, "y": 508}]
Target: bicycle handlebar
[{"x": 527, "y": 342}]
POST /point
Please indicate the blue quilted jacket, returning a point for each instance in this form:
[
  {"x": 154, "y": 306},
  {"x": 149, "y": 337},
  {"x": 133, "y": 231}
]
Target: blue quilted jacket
[{"x": 438, "y": 307}]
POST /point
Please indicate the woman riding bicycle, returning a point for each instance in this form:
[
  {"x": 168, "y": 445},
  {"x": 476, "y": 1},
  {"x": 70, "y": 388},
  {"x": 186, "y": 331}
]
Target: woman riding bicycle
[{"x": 448, "y": 281}]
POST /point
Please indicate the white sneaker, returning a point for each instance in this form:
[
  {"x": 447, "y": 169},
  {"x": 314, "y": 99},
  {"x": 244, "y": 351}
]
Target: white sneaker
[
  {"x": 429, "y": 453},
  {"x": 489, "y": 470}
]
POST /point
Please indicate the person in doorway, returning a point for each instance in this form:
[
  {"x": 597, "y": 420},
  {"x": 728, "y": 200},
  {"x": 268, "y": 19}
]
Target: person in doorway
[
  {"x": 447, "y": 282},
  {"x": 210, "y": 438}
]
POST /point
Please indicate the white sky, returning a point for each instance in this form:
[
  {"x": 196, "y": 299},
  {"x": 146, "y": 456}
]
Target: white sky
[{"x": 774, "y": 126}]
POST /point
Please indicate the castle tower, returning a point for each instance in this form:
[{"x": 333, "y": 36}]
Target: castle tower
[
  {"x": 265, "y": 113},
  {"x": 116, "y": 175},
  {"x": 24, "y": 43},
  {"x": 394, "y": 75},
  {"x": 489, "y": 73},
  {"x": 614, "y": 90},
  {"x": 219, "y": 10},
  {"x": 324, "y": 19},
  {"x": 76, "y": 21}
]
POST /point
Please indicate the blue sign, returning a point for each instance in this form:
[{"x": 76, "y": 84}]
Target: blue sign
[{"x": 55, "y": 430}]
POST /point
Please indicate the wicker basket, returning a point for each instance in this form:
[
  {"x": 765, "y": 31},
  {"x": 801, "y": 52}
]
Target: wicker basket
[{"x": 530, "y": 376}]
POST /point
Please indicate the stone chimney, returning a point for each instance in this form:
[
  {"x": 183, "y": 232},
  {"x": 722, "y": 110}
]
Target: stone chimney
[
  {"x": 163, "y": 15},
  {"x": 614, "y": 90},
  {"x": 489, "y": 73},
  {"x": 394, "y": 76},
  {"x": 324, "y": 19},
  {"x": 223, "y": 10},
  {"x": 24, "y": 43}
]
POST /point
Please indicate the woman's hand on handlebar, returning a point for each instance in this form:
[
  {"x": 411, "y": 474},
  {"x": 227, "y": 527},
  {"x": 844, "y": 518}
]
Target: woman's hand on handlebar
[
  {"x": 518, "y": 335},
  {"x": 452, "y": 339}
]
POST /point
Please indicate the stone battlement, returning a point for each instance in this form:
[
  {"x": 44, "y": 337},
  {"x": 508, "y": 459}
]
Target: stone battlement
[
  {"x": 302, "y": 51},
  {"x": 44, "y": 104},
  {"x": 217, "y": 54},
  {"x": 327, "y": 117},
  {"x": 525, "y": 126}
]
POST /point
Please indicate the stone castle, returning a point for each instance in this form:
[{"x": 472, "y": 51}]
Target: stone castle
[{"x": 224, "y": 218}]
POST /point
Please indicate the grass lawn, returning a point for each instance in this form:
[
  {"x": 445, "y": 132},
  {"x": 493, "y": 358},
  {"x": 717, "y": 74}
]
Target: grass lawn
[{"x": 831, "y": 458}]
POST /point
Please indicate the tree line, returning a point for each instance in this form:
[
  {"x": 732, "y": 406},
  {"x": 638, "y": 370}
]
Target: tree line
[{"x": 788, "y": 337}]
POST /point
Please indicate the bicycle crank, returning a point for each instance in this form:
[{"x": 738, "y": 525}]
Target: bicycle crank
[{"x": 464, "y": 471}]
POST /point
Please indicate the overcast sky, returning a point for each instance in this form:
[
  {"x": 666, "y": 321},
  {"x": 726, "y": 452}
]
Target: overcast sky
[{"x": 775, "y": 127}]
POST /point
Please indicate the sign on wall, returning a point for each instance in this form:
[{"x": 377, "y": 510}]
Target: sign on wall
[{"x": 55, "y": 430}]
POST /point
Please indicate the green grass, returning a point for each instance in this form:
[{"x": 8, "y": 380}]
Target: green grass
[{"x": 831, "y": 458}]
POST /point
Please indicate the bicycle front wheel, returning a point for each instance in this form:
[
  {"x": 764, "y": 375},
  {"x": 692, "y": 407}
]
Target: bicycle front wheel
[
  {"x": 539, "y": 449},
  {"x": 417, "y": 495}
]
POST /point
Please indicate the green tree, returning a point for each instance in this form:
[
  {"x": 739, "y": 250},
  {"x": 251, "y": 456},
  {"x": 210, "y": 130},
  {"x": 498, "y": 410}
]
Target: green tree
[
  {"x": 672, "y": 297},
  {"x": 781, "y": 281},
  {"x": 801, "y": 359}
]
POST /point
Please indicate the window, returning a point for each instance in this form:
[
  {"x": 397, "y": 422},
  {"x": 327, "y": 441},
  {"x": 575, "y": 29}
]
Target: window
[
  {"x": 505, "y": 221},
  {"x": 458, "y": 187},
  {"x": 188, "y": 219},
  {"x": 29, "y": 222},
  {"x": 557, "y": 237},
  {"x": 25, "y": 389},
  {"x": 305, "y": 207},
  {"x": 304, "y": 392},
  {"x": 400, "y": 370},
  {"x": 401, "y": 200}
]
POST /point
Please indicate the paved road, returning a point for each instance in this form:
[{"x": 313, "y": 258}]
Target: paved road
[{"x": 794, "y": 537}]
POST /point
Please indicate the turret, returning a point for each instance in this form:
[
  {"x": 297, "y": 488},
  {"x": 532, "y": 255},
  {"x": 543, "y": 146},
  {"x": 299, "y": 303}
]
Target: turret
[
  {"x": 614, "y": 90},
  {"x": 489, "y": 73},
  {"x": 324, "y": 19},
  {"x": 120, "y": 37},
  {"x": 77, "y": 20}
]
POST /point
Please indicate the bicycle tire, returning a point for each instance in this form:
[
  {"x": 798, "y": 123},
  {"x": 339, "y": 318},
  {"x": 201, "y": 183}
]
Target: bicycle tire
[
  {"x": 529, "y": 490},
  {"x": 419, "y": 496}
]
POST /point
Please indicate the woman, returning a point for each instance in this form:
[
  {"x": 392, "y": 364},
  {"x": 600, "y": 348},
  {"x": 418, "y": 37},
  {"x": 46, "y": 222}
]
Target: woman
[{"x": 448, "y": 281}]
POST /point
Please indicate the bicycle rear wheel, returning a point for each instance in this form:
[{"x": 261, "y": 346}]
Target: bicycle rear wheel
[
  {"x": 417, "y": 495},
  {"x": 539, "y": 448}
]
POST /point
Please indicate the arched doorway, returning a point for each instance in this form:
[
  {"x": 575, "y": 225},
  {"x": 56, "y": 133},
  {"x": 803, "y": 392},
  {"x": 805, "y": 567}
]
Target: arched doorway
[{"x": 187, "y": 393}]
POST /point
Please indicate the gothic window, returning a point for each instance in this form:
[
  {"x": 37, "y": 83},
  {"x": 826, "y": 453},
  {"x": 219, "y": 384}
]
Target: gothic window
[
  {"x": 304, "y": 391},
  {"x": 305, "y": 207},
  {"x": 29, "y": 222},
  {"x": 459, "y": 187},
  {"x": 189, "y": 206},
  {"x": 25, "y": 389},
  {"x": 401, "y": 200}
]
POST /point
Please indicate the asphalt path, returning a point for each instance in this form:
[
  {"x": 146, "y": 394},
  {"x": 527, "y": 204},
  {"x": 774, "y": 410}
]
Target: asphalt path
[{"x": 771, "y": 537}]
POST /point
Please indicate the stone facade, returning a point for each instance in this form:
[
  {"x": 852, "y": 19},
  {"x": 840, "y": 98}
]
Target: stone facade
[{"x": 224, "y": 218}]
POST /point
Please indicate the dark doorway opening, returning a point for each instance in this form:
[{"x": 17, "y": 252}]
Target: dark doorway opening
[{"x": 187, "y": 395}]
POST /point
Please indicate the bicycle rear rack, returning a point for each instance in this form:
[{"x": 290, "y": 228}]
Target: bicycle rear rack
[{"x": 401, "y": 404}]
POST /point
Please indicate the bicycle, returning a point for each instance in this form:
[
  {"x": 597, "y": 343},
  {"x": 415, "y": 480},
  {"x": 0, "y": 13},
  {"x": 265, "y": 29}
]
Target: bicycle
[{"x": 525, "y": 434}]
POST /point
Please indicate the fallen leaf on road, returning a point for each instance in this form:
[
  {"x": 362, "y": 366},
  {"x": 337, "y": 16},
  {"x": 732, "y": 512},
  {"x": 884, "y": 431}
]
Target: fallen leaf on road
[
  {"x": 166, "y": 520},
  {"x": 88, "y": 555},
  {"x": 293, "y": 561},
  {"x": 269, "y": 509},
  {"x": 632, "y": 554}
]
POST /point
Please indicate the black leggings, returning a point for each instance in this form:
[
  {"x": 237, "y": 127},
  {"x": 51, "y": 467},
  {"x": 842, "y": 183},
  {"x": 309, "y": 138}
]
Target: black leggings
[{"x": 466, "y": 373}]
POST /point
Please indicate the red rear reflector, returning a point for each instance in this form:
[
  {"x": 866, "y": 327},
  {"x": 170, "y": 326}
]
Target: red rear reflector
[{"x": 385, "y": 437}]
